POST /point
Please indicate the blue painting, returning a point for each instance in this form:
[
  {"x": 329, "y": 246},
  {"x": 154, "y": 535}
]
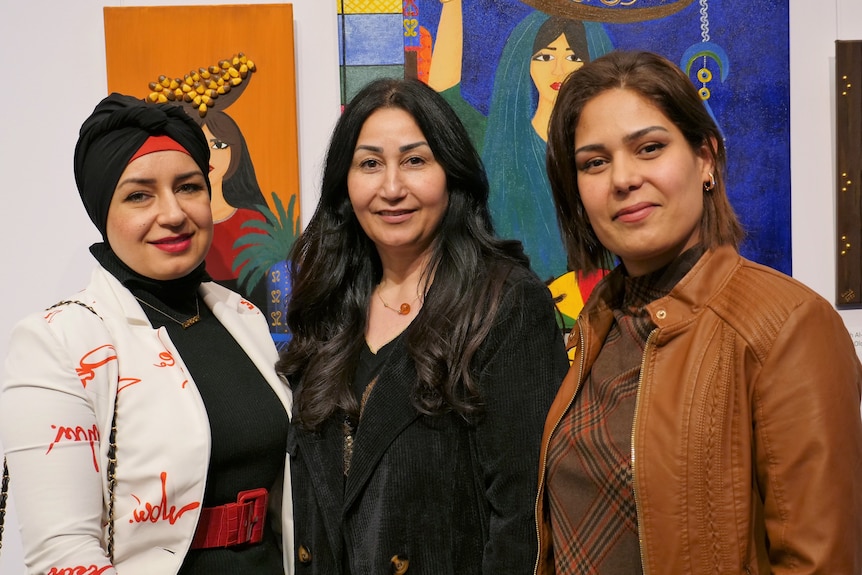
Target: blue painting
[{"x": 478, "y": 54}]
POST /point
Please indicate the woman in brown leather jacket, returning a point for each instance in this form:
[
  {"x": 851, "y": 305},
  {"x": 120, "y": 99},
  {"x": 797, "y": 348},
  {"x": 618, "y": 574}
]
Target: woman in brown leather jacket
[{"x": 710, "y": 420}]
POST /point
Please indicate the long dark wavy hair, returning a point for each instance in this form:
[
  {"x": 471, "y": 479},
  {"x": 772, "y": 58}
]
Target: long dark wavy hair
[
  {"x": 335, "y": 268},
  {"x": 662, "y": 83}
]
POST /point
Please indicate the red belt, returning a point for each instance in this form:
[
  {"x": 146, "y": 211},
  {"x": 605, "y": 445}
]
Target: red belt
[{"x": 233, "y": 523}]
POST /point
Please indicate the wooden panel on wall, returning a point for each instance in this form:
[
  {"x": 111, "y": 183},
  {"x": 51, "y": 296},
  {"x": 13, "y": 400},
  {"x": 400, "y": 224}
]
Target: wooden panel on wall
[{"x": 848, "y": 200}]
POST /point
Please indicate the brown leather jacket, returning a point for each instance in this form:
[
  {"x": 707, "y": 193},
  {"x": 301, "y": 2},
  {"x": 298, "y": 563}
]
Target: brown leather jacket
[{"x": 747, "y": 436}]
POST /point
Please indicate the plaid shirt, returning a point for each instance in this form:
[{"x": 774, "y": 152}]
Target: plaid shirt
[{"x": 589, "y": 489}]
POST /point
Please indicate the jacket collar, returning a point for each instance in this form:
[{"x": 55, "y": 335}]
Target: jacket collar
[{"x": 693, "y": 292}]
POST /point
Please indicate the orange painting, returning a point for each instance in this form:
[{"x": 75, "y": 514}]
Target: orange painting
[{"x": 237, "y": 63}]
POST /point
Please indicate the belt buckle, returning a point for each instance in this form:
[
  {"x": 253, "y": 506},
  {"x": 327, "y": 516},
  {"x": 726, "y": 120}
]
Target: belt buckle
[{"x": 254, "y": 517}]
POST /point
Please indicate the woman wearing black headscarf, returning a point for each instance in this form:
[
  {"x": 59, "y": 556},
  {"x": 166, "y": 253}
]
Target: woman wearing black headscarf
[{"x": 143, "y": 421}]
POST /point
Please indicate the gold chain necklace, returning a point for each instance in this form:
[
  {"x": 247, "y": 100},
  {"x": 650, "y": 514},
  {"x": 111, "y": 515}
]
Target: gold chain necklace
[
  {"x": 185, "y": 324},
  {"x": 403, "y": 309}
]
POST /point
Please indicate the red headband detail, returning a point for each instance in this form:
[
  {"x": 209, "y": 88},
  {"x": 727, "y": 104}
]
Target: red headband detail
[{"x": 158, "y": 144}]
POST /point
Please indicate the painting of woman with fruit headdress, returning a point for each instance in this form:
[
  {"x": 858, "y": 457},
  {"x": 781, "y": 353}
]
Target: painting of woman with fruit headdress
[
  {"x": 236, "y": 198},
  {"x": 239, "y": 86}
]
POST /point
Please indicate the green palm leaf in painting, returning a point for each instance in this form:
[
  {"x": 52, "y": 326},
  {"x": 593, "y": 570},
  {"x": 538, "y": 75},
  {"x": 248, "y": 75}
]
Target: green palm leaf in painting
[{"x": 266, "y": 243}]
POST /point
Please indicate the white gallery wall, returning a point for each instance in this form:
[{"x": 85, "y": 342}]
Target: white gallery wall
[{"x": 54, "y": 74}]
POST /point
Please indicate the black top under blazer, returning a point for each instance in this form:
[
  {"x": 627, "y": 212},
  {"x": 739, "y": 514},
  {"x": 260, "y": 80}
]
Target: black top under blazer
[{"x": 433, "y": 494}]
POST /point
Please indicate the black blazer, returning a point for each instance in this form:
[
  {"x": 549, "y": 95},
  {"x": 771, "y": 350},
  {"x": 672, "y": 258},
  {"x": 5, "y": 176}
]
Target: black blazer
[{"x": 433, "y": 494}]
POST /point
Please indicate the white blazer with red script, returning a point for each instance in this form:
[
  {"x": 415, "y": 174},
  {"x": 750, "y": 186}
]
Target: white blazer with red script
[{"x": 65, "y": 369}]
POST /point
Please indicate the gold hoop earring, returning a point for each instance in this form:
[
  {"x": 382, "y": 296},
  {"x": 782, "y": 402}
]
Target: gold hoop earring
[{"x": 710, "y": 185}]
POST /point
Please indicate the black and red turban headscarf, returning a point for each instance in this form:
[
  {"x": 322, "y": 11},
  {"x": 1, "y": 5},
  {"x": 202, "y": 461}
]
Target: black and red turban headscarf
[{"x": 117, "y": 128}]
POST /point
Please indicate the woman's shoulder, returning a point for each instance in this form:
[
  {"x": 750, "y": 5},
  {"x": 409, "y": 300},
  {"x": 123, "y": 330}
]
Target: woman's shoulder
[
  {"x": 76, "y": 316},
  {"x": 214, "y": 293},
  {"x": 737, "y": 287},
  {"x": 84, "y": 311},
  {"x": 219, "y": 291},
  {"x": 754, "y": 287},
  {"x": 519, "y": 290},
  {"x": 516, "y": 276},
  {"x": 759, "y": 302},
  {"x": 68, "y": 330}
]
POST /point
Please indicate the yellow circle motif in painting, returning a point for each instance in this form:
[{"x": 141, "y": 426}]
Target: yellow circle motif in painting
[{"x": 704, "y": 75}]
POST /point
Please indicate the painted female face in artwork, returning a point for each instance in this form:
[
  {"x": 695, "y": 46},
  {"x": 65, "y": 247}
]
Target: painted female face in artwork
[
  {"x": 551, "y": 64},
  {"x": 220, "y": 154}
]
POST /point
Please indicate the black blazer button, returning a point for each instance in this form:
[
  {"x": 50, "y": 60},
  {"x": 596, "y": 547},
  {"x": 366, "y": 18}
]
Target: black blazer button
[
  {"x": 303, "y": 554},
  {"x": 399, "y": 565}
]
